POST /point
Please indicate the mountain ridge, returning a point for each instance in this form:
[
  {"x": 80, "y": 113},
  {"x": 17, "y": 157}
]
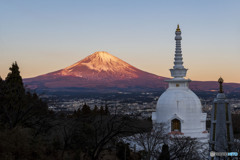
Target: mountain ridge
[{"x": 101, "y": 70}]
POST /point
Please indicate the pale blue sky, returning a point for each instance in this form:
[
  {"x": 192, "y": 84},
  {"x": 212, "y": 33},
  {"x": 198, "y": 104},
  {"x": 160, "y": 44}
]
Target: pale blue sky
[{"x": 47, "y": 35}]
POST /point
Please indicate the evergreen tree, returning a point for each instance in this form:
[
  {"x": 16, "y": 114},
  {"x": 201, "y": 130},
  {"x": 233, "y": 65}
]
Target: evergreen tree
[
  {"x": 14, "y": 96},
  {"x": 14, "y": 82},
  {"x": 15, "y": 89},
  {"x": 165, "y": 155},
  {"x": 77, "y": 113},
  {"x": 86, "y": 109},
  {"x": 18, "y": 107},
  {"x": 2, "y": 86},
  {"x": 38, "y": 106},
  {"x": 95, "y": 110},
  {"x": 106, "y": 110},
  {"x": 101, "y": 110}
]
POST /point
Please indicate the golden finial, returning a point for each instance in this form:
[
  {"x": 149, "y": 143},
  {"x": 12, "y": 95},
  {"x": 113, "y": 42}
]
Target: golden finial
[
  {"x": 220, "y": 81},
  {"x": 178, "y": 29}
]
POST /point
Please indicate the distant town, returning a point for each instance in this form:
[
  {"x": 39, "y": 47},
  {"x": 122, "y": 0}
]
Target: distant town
[{"x": 134, "y": 105}]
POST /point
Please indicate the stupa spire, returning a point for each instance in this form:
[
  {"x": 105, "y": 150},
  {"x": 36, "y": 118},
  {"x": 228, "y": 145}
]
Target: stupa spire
[
  {"x": 178, "y": 70},
  {"x": 220, "y": 81},
  {"x": 178, "y": 28},
  {"x": 178, "y": 107}
]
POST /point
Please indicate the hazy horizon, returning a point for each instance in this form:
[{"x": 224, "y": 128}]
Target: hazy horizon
[{"x": 45, "y": 36}]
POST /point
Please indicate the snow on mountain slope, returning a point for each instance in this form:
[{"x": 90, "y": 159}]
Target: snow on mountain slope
[
  {"x": 100, "y": 69},
  {"x": 100, "y": 65}
]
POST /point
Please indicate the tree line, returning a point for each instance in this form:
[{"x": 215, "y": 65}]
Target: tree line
[{"x": 30, "y": 131}]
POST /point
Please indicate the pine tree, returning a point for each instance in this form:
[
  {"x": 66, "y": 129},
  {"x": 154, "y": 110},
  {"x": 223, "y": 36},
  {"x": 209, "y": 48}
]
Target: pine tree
[
  {"x": 15, "y": 91},
  {"x": 2, "y": 85},
  {"x": 18, "y": 107},
  {"x": 86, "y": 109},
  {"x": 14, "y": 96},
  {"x": 95, "y": 110},
  {"x": 106, "y": 110},
  {"x": 101, "y": 110},
  {"x": 14, "y": 81}
]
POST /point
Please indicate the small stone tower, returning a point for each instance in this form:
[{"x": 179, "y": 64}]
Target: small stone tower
[{"x": 221, "y": 133}]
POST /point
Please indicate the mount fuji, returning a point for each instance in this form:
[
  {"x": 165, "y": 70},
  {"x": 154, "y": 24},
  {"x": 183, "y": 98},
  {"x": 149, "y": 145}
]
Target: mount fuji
[
  {"x": 99, "y": 71},
  {"x": 103, "y": 72}
]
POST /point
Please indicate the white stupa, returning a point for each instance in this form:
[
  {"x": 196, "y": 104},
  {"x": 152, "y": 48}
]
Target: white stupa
[{"x": 178, "y": 106}]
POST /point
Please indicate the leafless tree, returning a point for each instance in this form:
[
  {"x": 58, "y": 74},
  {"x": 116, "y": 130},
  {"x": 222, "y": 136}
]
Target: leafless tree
[
  {"x": 106, "y": 128},
  {"x": 182, "y": 148},
  {"x": 151, "y": 142},
  {"x": 93, "y": 133}
]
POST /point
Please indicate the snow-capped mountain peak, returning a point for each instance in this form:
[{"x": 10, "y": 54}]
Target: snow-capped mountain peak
[
  {"x": 98, "y": 70},
  {"x": 100, "y": 65},
  {"x": 102, "y": 71}
]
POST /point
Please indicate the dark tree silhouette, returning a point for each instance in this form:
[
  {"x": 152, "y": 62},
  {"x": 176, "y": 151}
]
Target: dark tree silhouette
[
  {"x": 86, "y": 109},
  {"x": 101, "y": 111},
  {"x": 165, "y": 155},
  {"x": 187, "y": 148},
  {"x": 13, "y": 100},
  {"x": 106, "y": 110},
  {"x": 16, "y": 106},
  {"x": 107, "y": 128},
  {"x": 123, "y": 151},
  {"x": 151, "y": 141},
  {"x": 95, "y": 109}
]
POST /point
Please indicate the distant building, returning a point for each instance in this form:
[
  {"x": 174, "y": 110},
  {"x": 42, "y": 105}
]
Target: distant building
[
  {"x": 221, "y": 134},
  {"x": 178, "y": 106}
]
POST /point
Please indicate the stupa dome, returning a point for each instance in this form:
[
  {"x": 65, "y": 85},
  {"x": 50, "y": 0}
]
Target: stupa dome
[{"x": 178, "y": 106}]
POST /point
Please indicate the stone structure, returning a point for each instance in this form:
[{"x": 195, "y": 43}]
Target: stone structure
[
  {"x": 178, "y": 106},
  {"x": 221, "y": 134}
]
